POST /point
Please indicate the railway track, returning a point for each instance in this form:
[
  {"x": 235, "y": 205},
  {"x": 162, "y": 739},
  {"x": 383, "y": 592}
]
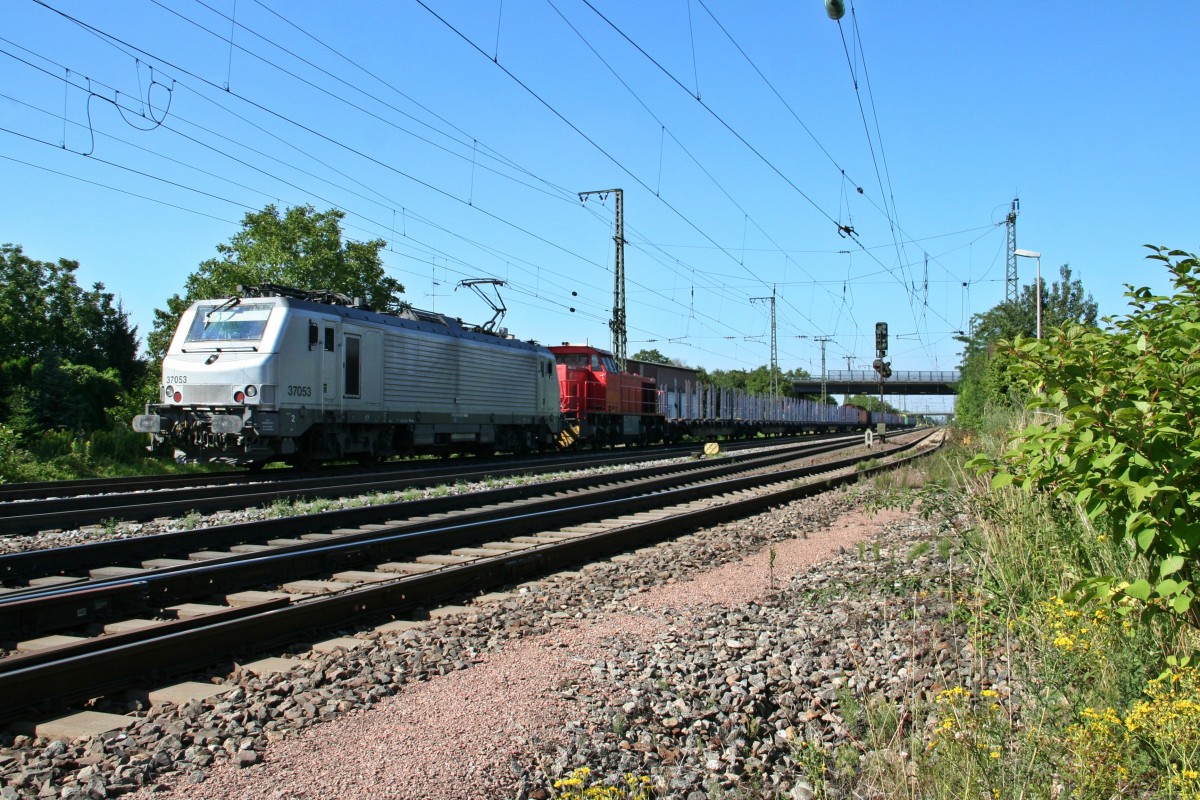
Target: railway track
[
  {"x": 96, "y": 636},
  {"x": 40, "y": 571},
  {"x": 40, "y": 490},
  {"x": 27, "y": 508},
  {"x": 72, "y": 564}
]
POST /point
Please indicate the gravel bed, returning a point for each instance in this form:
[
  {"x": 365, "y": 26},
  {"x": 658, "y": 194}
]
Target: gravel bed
[{"x": 701, "y": 663}]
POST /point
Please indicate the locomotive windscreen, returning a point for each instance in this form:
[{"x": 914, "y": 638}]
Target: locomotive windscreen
[
  {"x": 594, "y": 361},
  {"x": 223, "y": 323}
]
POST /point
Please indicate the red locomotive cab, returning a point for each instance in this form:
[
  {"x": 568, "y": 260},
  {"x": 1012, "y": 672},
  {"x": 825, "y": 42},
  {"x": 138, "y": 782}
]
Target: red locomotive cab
[
  {"x": 581, "y": 379},
  {"x": 601, "y": 403}
]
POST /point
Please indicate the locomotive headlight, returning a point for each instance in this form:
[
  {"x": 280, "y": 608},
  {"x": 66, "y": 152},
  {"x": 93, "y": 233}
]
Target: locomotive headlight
[
  {"x": 168, "y": 390},
  {"x": 251, "y": 391}
]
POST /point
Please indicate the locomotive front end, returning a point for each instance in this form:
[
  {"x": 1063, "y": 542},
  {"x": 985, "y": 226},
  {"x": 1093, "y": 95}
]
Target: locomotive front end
[{"x": 217, "y": 398}]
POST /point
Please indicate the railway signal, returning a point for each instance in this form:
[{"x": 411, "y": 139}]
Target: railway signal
[{"x": 882, "y": 368}]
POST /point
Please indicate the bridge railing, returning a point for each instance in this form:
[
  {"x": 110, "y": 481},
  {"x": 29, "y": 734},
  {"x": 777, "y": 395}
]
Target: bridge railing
[{"x": 870, "y": 376}]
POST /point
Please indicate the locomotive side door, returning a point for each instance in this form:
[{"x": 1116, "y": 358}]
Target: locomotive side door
[
  {"x": 362, "y": 365},
  {"x": 548, "y": 387},
  {"x": 329, "y": 361}
]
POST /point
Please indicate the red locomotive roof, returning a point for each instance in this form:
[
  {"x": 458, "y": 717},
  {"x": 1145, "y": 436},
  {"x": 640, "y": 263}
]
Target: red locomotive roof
[{"x": 578, "y": 348}]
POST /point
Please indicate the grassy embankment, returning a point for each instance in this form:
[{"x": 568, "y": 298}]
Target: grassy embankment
[{"x": 1107, "y": 701}]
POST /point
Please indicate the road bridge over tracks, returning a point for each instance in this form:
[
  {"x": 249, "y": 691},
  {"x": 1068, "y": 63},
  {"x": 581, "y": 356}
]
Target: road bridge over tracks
[{"x": 944, "y": 382}]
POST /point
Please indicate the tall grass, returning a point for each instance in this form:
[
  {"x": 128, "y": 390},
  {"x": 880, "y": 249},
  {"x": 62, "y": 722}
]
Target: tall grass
[{"x": 1075, "y": 679}]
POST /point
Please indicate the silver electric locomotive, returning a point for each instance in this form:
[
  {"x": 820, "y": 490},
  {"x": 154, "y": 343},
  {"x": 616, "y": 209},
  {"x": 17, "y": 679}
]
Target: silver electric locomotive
[{"x": 281, "y": 374}]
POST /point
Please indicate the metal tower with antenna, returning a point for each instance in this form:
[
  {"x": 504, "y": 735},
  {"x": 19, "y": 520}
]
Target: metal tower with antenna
[
  {"x": 774, "y": 349},
  {"x": 620, "y": 336},
  {"x": 823, "y": 340},
  {"x": 1010, "y": 274}
]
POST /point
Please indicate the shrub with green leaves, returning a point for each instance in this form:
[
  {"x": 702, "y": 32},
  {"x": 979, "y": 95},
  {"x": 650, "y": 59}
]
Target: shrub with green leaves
[{"x": 1117, "y": 432}]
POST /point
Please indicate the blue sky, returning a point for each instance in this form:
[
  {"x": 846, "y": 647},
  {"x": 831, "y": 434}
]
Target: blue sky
[{"x": 136, "y": 136}]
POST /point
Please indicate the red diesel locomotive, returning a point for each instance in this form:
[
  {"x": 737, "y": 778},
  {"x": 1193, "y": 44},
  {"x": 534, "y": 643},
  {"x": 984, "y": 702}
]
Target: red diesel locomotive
[{"x": 602, "y": 405}]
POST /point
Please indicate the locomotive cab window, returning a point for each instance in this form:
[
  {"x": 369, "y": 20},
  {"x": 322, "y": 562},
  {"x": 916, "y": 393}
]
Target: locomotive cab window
[
  {"x": 225, "y": 323},
  {"x": 353, "y": 351},
  {"x": 329, "y": 340},
  {"x": 603, "y": 363},
  {"x": 572, "y": 359}
]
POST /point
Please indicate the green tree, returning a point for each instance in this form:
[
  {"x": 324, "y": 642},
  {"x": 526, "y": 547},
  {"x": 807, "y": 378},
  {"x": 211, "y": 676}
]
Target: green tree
[
  {"x": 62, "y": 395},
  {"x": 755, "y": 381},
  {"x": 302, "y": 248},
  {"x": 25, "y": 308},
  {"x": 871, "y": 403},
  {"x": 651, "y": 356},
  {"x": 985, "y": 380},
  {"x": 1117, "y": 433},
  {"x": 758, "y": 381},
  {"x": 71, "y": 352}
]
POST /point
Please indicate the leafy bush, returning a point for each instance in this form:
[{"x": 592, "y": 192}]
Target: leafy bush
[
  {"x": 71, "y": 351},
  {"x": 121, "y": 443},
  {"x": 1117, "y": 434},
  {"x": 64, "y": 455},
  {"x": 9, "y": 448}
]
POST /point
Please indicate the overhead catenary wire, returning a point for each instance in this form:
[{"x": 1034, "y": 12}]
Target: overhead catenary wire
[
  {"x": 584, "y": 135},
  {"x": 328, "y": 139},
  {"x": 852, "y": 236},
  {"x": 666, "y": 132},
  {"x": 867, "y": 129},
  {"x": 187, "y": 166},
  {"x": 467, "y": 141},
  {"x": 111, "y": 188},
  {"x": 551, "y": 108},
  {"x": 259, "y": 106},
  {"x": 909, "y": 286},
  {"x": 388, "y": 222},
  {"x": 888, "y": 214},
  {"x": 218, "y": 151}
]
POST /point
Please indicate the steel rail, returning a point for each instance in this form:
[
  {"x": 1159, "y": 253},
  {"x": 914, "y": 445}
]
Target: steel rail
[
  {"x": 37, "y": 491},
  {"x": 27, "y": 516}
]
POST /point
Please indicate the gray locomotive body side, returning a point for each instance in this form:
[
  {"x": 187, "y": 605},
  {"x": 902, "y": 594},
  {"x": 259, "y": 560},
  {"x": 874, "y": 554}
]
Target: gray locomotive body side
[{"x": 305, "y": 381}]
